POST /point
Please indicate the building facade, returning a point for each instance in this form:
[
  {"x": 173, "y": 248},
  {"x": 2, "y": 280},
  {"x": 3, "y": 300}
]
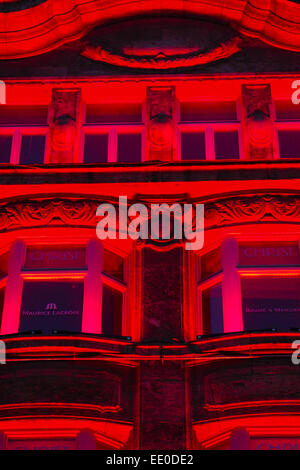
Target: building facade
[{"x": 126, "y": 343}]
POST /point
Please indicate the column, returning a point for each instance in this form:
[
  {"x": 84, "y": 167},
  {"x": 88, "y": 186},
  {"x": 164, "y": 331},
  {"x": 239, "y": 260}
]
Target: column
[
  {"x": 92, "y": 301},
  {"x": 231, "y": 287},
  {"x": 13, "y": 291}
]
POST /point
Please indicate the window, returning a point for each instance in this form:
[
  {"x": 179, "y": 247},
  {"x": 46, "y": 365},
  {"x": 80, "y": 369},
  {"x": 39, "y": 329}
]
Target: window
[
  {"x": 263, "y": 288},
  {"x": 210, "y": 289},
  {"x": 209, "y": 131},
  {"x": 114, "y": 289},
  {"x": 23, "y": 134},
  {"x": 58, "y": 291},
  {"x": 288, "y": 128},
  {"x": 270, "y": 286},
  {"x": 113, "y": 133},
  {"x": 52, "y": 291}
]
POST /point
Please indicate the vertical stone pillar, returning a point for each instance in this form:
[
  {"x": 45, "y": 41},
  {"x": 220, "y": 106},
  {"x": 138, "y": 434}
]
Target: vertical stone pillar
[
  {"x": 257, "y": 122},
  {"x": 93, "y": 289},
  {"x": 161, "y": 123},
  {"x": 162, "y": 295},
  {"x": 13, "y": 291},
  {"x": 231, "y": 287},
  {"x": 163, "y": 409},
  {"x": 64, "y": 126}
]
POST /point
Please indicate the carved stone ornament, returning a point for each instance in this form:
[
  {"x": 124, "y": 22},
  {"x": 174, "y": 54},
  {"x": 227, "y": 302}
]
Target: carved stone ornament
[
  {"x": 19, "y": 215},
  {"x": 162, "y": 61}
]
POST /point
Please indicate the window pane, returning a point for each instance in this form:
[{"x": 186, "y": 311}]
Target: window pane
[
  {"x": 95, "y": 148},
  {"x": 289, "y": 144},
  {"x": 270, "y": 302},
  {"x": 55, "y": 258},
  {"x": 287, "y": 110},
  {"x": 32, "y": 149},
  {"x": 208, "y": 111},
  {"x": 211, "y": 263},
  {"x": 114, "y": 113},
  {"x": 49, "y": 306},
  {"x": 113, "y": 265},
  {"x": 111, "y": 312},
  {"x": 212, "y": 310},
  {"x": 23, "y": 115},
  {"x": 192, "y": 146},
  {"x": 5, "y": 148},
  {"x": 226, "y": 145},
  {"x": 272, "y": 254},
  {"x": 129, "y": 148}
]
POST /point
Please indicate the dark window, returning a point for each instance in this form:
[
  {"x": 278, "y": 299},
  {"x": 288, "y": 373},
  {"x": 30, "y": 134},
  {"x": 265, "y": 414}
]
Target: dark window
[
  {"x": 210, "y": 263},
  {"x": 212, "y": 310},
  {"x": 111, "y": 312},
  {"x": 23, "y": 115},
  {"x": 55, "y": 258},
  {"x": 286, "y": 110},
  {"x": 113, "y": 265},
  {"x": 129, "y": 148},
  {"x": 226, "y": 145},
  {"x": 32, "y": 149},
  {"x": 192, "y": 146},
  {"x": 271, "y": 302},
  {"x": 51, "y": 306},
  {"x": 272, "y": 254},
  {"x": 95, "y": 148},
  {"x": 289, "y": 144},
  {"x": 208, "y": 111},
  {"x": 5, "y": 148},
  {"x": 113, "y": 113}
]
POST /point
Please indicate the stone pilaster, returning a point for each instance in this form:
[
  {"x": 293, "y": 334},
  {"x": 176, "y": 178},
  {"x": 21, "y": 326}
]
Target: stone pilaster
[
  {"x": 160, "y": 123},
  {"x": 257, "y": 122},
  {"x": 64, "y": 126}
]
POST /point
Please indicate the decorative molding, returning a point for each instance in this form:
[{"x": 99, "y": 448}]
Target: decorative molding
[
  {"x": 163, "y": 61},
  {"x": 81, "y": 212},
  {"x": 26, "y": 33}
]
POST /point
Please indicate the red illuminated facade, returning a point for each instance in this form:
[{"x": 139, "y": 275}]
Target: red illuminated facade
[{"x": 124, "y": 344}]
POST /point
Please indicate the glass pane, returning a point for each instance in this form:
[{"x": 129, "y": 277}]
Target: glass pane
[
  {"x": 271, "y": 254},
  {"x": 211, "y": 263},
  {"x": 111, "y": 312},
  {"x": 192, "y": 146},
  {"x": 270, "y": 302},
  {"x": 23, "y": 115},
  {"x": 212, "y": 310},
  {"x": 287, "y": 110},
  {"x": 289, "y": 144},
  {"x": 226, "y": 145},
  {"x": 113, "y": 265},
  {"x": 5, "y": 148},
  {"x": 114, "y": 113},
  {"x": 55, "y": 258},
  {"x": 48, "y": 306},
  {"x": 32, "y": 149},
  {"x": 129, "y": 148},
  {"x": 95, "y": 148},
  {"x": 208, "y": 111}
]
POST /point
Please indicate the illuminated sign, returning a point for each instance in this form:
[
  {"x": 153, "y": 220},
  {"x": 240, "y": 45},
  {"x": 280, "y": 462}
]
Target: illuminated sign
[
  {"x": 41, "y": 258},
  {"x": 49, "y": 306}
]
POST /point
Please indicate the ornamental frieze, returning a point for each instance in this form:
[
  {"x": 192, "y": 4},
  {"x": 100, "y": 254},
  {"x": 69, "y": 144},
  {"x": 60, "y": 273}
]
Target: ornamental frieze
[{"x": 81, "y": 212}]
